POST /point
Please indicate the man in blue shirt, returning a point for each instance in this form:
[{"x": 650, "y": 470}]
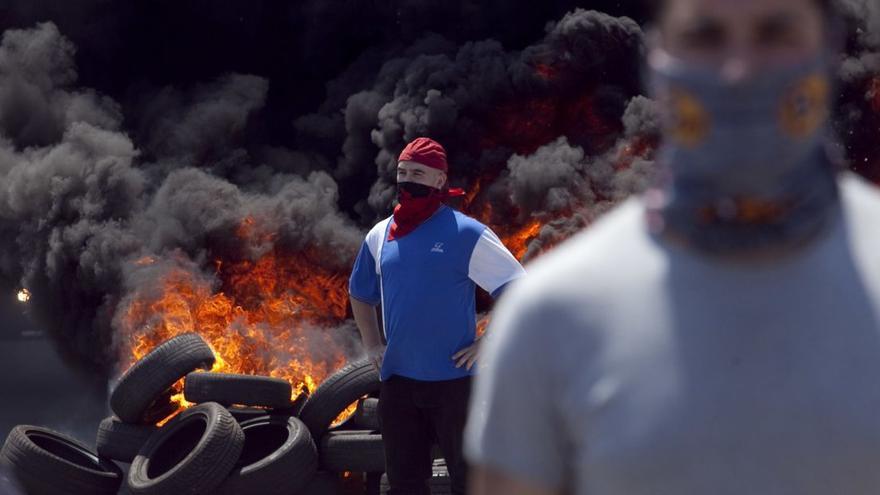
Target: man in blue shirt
[{"x": 421, "y": 266}]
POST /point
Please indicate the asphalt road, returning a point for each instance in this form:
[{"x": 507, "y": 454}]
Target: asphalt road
[{"x": 37, "y": 388}]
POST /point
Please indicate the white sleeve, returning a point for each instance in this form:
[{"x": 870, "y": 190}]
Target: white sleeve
[
  {"x": 492, "y": 266},
  {"x": 376, "y": 240}
]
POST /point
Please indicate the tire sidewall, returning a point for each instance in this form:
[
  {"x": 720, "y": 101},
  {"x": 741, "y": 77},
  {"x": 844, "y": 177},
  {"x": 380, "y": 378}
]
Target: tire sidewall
[{"x": 138, "y": 478}]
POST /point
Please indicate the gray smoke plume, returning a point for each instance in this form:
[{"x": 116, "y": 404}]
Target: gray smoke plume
[
  {"x": 555, "y": 131},
  {"x": 203, "y": 123},
  {"x": 79, "y": 204},
  {"x": 458, "y": 95},
  {"x": 567, "y": 189},
  {"x": 85, "y": 200},
  {"x": 37, "y": 73},
  {"x": 551, "y": 180},
  {"x": 865, "y": 16}
]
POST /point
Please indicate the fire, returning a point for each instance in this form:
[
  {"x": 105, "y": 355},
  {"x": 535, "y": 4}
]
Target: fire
[
  {"x": 518, "y": 242},
  {"x": 23, "y": 295},
  {"x": 265, "y": 317},
  {"x": 482, "y": 325},
  {"x": 270, "y": 315}
]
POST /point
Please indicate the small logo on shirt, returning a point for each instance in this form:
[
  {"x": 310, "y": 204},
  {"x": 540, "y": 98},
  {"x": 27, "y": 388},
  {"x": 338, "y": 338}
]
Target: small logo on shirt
[{"x": 438, "y": 248}]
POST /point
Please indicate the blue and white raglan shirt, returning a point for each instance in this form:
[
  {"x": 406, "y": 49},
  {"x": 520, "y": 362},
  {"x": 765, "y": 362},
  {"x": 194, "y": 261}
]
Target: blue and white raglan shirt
[{"x": 425, "y": 283}]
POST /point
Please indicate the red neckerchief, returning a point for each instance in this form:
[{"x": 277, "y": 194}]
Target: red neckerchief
[{"x": 412, "y": 212}]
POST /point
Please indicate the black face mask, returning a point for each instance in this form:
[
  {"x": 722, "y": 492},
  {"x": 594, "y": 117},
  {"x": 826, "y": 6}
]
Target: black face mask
[{"x": 414, "y": 189}]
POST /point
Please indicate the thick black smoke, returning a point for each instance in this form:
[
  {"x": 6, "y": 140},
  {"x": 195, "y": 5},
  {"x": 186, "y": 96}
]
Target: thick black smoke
[
  {"x": 293, "y": 114},
  {"x": 864, "y": 61},
  {"x": 482, "y": 101},
  {"x": 859, "y": 110},
  {"x": 80, "y": 202}
]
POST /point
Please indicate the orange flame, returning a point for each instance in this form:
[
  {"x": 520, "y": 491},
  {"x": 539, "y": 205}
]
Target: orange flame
[
  {"x": 269, "y": 317},
  {"x": 482, "y": 325},
  {"x": 518, "y": 242}
]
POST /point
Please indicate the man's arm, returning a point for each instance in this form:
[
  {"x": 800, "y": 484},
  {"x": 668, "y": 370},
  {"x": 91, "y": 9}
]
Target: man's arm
[
  {"x": 488, "y": 481},
  {"x": 493, "y": 268},
  {"x": 365, "y": 294},
  {"x": 368, "y": 324}
]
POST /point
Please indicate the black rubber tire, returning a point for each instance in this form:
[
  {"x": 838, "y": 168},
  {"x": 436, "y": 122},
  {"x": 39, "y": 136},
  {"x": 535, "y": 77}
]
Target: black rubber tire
[
  {"x": 242, "y": 414},
  {"x": 161, "y": 408},
  {"x": 367, "y": 415},
  {"x": 357, "y": 451},
  {"x": 191, "y": 454},
  {"x": 242, "y": 390},
  {"x": 43, "y": 461},
  {"x": 279, "y": 458},
  {"x": 149, "y": 378},
  {"x": 340, "y": 390},
  {"x": 122, "y": 441}
]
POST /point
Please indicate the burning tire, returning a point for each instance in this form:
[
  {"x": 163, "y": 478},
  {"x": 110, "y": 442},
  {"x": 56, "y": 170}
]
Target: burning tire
[
  {"x": 339, "y": 391},
  {"x": 150, "y": 377},
  {"x": 242, "y": 413},
  {"x": 42, "y": 462},
  {"x": 367, "y": 415},
  {"x": 356, "y": 451},
  {"x": 122, "y": 441},
  {"x": 193, "y": 453},
  {"x": 160, "y": 408},
  {"x": 279, "y": 458},
  {"x": 245, "y": 390}
]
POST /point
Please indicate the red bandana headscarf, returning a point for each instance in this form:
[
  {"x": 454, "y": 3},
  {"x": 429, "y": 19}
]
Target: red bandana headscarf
[{"x": 412, "y": 211}]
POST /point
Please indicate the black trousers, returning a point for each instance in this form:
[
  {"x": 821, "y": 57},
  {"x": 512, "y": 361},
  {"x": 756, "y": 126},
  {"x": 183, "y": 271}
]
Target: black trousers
[{"x": 414, "y": 416}]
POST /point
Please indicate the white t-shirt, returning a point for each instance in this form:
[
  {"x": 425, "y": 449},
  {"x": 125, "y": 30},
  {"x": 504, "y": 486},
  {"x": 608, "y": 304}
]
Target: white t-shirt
[{"x": 624, "y": 366}]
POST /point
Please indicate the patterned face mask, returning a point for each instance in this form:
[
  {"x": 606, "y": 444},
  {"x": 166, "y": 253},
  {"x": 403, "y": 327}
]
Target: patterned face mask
[{"x": 743, "y": 163}]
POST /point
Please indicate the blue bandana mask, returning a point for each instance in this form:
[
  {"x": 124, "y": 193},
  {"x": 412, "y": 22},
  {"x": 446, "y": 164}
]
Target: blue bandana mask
[{"x": 743, "y": 164}]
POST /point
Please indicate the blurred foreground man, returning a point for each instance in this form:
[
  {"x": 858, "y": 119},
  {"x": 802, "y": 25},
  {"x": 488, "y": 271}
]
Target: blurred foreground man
[
  {"x": 719, "y": 334},
  {"x": 421, "y": 266}
]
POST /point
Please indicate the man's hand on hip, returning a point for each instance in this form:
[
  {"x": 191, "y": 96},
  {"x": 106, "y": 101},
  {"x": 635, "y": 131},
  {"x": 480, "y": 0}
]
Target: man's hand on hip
[
  {"x": 376, "y": 355},
  {"x": 467, "y": 356}
]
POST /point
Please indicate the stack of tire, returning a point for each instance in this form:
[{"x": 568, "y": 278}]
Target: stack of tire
[
  {"x": 356, "y": 446},
  {"x": 256, "y": 446},
  {"x": 244, "y": 435}
]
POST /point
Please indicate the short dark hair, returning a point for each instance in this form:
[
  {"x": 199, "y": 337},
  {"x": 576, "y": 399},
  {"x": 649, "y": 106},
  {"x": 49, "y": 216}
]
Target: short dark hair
[{"x": 653, "y": 8}]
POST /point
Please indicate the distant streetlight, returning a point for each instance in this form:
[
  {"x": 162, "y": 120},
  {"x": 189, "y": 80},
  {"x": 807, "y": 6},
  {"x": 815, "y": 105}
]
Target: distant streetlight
[{"x": 24, "y": 296}]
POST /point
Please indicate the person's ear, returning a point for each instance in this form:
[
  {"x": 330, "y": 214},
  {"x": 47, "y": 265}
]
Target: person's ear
[{"x": 441, "y": 180}]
